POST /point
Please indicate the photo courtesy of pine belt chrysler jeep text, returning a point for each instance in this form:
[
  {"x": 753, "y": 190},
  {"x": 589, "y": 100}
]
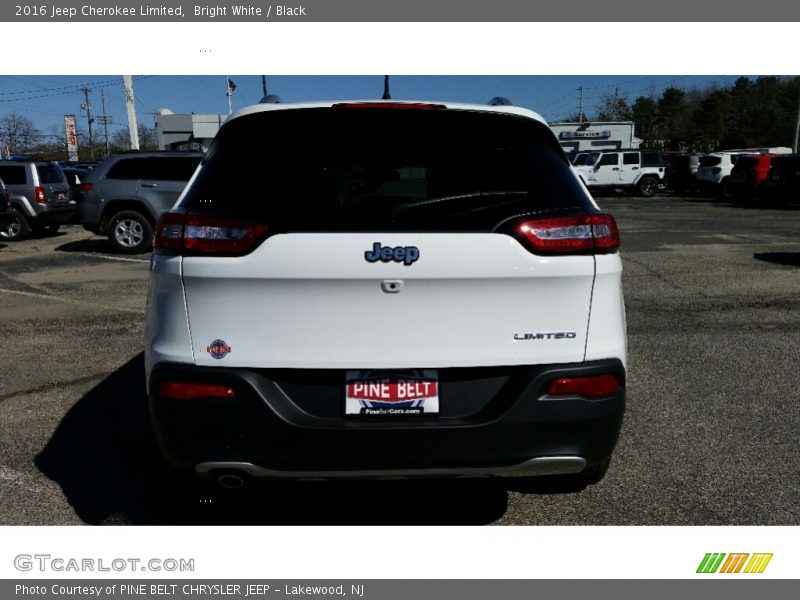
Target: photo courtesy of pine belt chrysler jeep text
[{"x": 386, "y": 289}]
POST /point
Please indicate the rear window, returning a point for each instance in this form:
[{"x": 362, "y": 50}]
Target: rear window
[
  {"x": 746, "y": 162},
  {"x": 384, "y": 169},
  {"x": 652, "y": 159},
  {"x": 13, "y": 174},
  {"x": 50, "y": 173},
  {"x": 710, "y": 161},
  {"x": 786, "y": 163}
]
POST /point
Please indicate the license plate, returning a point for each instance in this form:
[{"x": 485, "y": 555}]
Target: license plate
[{"x": 392, "y": 393}]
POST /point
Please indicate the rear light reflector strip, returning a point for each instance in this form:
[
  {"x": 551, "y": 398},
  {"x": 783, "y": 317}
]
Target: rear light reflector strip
[
  {"x": 592, "y": 387},
  {"x": 178, "y": 390}
]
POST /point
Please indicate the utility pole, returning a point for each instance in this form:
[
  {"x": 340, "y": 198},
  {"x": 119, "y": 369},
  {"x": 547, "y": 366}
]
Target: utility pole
[
  {"x": 129, "y": 103},
  {"x": 105, "y": 120},
  {"x": 264, "y": 85},
  {"x": 580, "y": 105},
  {"x": 386, "y": 94},
  {"x": 88, "y": 108},
  {"x": 796, "y": 127}
]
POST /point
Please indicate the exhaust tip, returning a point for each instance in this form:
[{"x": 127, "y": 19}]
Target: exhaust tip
[{"x": 230, "y": 481}]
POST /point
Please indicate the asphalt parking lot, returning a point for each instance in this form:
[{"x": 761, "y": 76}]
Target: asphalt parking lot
[{"x": 710, "y": 434}]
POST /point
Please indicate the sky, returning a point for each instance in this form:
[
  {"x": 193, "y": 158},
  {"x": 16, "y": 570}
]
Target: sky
[{"x": 46, "y": 99}]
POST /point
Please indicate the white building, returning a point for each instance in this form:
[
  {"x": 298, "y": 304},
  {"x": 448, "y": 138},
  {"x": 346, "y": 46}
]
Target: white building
[
  {"x": 186, "y": 132},
  {"x": 595, "y": 135}
]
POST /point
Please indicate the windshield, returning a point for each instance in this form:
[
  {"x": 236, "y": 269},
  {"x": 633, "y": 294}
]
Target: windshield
[
  {"x": 586, "y": 159},
  {"x": 710, "y": 161},
  {"x": 50, "y": 173},
  {"x": 366, "y": 169}
]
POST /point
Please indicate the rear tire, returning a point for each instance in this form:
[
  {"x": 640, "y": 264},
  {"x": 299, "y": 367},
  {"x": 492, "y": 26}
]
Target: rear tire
[
  {"x": 647, "y": 186},
  {"x": 130, "y": 232},
  {"x": 18, "y": 229},
  {"x": 725, "y": 192}
]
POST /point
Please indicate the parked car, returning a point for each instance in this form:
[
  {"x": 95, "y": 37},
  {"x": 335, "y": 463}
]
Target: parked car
[
  {"x": 74, "y": 177},
  {"x": 713, "y": 175},
  {"x": 443, "y": 298},
  {"x": 681, "y": 171},
  {"x": 7, "y": 215},
  {"x": 714, "y": 172},
  {"x": 125, "y": 194},
  {"x": 40, "y": 197},
  {"x": 783, "y": 180},
  {"x": 749, "y": 175},
  {"x": 637, "y": 171}
]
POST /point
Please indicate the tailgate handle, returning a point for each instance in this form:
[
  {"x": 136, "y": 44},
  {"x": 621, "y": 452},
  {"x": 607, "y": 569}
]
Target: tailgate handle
[{"x": 392, "y": 286}]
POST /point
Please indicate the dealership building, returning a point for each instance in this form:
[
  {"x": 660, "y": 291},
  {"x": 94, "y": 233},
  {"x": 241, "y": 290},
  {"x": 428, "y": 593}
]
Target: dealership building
[
  {"x": 186, "y": 132},
  {"x": 595, "y": 135}
]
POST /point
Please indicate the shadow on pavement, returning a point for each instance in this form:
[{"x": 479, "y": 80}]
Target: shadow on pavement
[
  {"x": 100, "y": 245},
  {"x": 105, "y": 459},
  {"x": 790, "y": 259}
]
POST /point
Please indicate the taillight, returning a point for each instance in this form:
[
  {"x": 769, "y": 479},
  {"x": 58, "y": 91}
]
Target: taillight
[
  {"x": 38, "y": 194},
  {"x": 190, "y": 234},
  {"x": 84, "y": 187},
  {"x": 179, "y": 390},
  {"x": 593, "y": 386},
  {"x": 569, "y": 235}
]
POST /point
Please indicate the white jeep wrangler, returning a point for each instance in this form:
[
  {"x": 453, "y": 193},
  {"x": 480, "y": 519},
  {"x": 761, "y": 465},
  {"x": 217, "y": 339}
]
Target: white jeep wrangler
[{"x": 639, "y": 171}]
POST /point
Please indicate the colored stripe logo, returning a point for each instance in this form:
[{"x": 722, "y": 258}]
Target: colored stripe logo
[{"x": 737, "y": 562}]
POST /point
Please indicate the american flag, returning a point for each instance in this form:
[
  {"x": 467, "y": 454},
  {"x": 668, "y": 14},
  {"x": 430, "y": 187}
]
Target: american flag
[{"x": 231, "y": 87}]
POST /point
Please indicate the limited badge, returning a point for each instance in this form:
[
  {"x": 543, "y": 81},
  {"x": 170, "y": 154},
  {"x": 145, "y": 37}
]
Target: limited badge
[{"x": 218, "y": 349}]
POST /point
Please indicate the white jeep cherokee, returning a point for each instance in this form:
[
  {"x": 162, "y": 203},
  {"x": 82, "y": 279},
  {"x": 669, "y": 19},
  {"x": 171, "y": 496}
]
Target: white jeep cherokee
[{"x": 382, "y": 289}]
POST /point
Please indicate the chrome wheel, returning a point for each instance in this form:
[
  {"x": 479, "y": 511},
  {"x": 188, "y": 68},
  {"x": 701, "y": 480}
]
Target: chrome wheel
[{"x": 128, "y": 233}]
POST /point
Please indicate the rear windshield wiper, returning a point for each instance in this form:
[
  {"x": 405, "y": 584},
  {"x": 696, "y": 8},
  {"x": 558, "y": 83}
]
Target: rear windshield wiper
[{"x": 430, "y": 202}]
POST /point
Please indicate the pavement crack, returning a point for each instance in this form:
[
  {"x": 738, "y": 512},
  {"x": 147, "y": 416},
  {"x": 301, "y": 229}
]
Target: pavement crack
[
  {"x": 653, "y": 272},
  {"x": 46, "y": 387},
  {"x": 71, "y": 301}
]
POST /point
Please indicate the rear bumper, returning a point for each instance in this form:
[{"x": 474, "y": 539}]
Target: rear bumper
[
  {"x": 266, "y": 433},
  {"x": 56, "y": 214}
]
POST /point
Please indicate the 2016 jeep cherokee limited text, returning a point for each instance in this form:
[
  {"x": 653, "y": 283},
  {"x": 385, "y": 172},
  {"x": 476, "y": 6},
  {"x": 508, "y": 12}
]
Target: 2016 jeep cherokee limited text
[{"x": 386, "y": 289}]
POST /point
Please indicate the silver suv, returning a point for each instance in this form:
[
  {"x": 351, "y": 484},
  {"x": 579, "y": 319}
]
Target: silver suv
[
  {"x": 40, "y": 197},
  {"x": 124, "y": 196}
]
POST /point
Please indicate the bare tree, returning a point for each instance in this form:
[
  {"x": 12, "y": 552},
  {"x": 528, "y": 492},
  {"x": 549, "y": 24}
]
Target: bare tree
[{"x": 17, "y": 132}]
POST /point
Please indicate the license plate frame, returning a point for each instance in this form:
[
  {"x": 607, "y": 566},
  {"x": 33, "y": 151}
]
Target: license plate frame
[{"x": 391, "y": 393}]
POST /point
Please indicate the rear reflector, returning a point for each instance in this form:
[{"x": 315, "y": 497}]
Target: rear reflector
[
  {"x": 191, "y": 391},
  {"x": 585, "y": 234},
  {"x": 423, "y": 105},
  {"x": 188, "y": 234},
  {"x": 594, "y": 386}
]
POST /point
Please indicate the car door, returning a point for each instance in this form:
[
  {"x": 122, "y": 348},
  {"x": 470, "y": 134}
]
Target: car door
[
  {"x": 630, "y": 168},
  {"x": 606, "y": 171}
]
